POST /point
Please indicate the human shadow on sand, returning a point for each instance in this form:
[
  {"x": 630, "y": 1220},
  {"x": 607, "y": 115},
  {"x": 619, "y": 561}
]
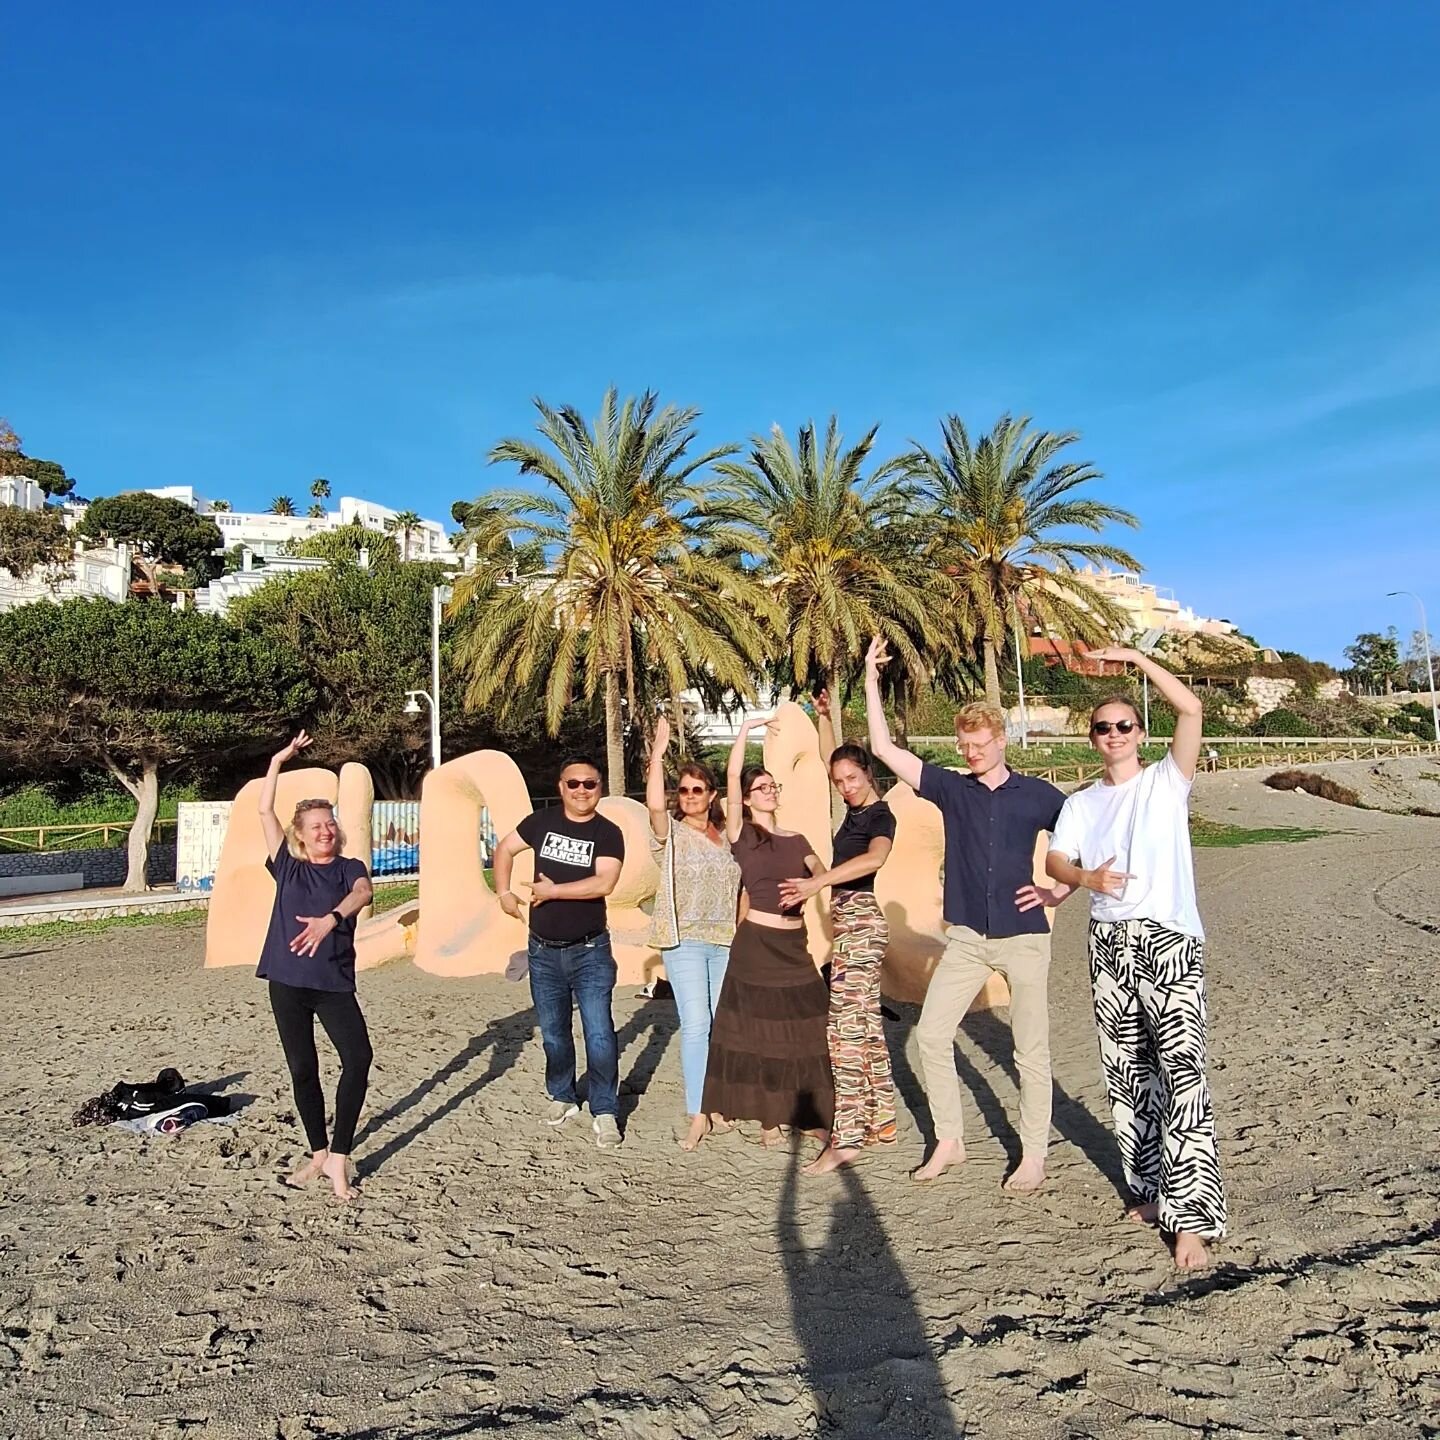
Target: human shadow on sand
[
  {"x": 504, "y": 1038},
  {"x": 868, "y": 1361},
  {"x": 657, "y": 1016}
]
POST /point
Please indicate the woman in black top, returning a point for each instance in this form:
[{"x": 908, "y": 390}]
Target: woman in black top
[
  {"x": 309, "y": 960},
  {"x": 864, "y": 1093}
]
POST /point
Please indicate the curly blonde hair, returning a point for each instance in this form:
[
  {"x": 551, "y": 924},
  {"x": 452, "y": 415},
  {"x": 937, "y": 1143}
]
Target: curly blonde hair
[
  {"x": 980, "y": 716},
  {"x": 294, "y": 844}
]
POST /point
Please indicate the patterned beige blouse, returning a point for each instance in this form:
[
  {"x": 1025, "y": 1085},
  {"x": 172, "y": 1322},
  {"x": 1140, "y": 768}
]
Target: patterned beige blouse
[{"x": 699, "y": 886}]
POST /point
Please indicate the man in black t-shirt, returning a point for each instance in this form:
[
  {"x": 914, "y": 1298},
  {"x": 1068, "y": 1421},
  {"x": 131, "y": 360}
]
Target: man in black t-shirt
[{"x": 578, "y": 855}]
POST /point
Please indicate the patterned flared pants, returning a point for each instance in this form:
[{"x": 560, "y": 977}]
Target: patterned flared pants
[
  {"x": 864, "y": 1093},
  {"x": 1148, "y": 984}
]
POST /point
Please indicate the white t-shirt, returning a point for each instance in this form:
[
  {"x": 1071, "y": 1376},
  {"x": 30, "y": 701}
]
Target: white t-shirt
[{"x": 1145, "y": 825}]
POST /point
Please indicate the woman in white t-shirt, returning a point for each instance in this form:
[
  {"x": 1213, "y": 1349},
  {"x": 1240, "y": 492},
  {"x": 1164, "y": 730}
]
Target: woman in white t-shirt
[{"x": 1126, "y": 839}]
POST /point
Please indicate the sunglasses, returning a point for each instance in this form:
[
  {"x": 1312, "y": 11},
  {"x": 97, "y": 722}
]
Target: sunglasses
[
  {"x": 766, "y": 789},
  {"x": 1104, "y": 727},
  {"x": 582, "y": 784},
  {"x": 693, "y": 790}
]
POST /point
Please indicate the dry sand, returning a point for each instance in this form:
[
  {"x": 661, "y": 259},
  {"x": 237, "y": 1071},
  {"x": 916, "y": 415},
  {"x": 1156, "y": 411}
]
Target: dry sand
[{"x": 496, "y": 1275}]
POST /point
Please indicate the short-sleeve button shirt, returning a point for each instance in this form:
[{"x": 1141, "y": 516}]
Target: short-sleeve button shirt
[{"x": 990, "y": 846}]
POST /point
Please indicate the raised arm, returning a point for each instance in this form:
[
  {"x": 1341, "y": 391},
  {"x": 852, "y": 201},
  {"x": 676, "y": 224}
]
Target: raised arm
[
  {"x": 269, "y": 820},
  {"x": 734, "y": 800},
  {"x": 1189, "y": 713},
  {"x": 655, "y": 781},
  {"x": 903, "y": 765},
  {"x": 825, "y": 724}
]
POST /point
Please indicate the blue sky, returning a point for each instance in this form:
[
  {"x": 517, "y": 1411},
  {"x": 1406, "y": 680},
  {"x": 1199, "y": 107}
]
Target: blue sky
[{"x": 246, "y": 246}]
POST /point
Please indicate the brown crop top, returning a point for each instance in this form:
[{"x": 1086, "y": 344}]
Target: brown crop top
[{"x": 763, "y": 867}]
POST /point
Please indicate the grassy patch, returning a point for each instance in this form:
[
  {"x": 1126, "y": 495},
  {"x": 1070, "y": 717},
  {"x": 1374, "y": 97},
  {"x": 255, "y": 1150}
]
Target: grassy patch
[
  {"x": 387, "y": 897},
  {"x": 189, "y": 918},
  {"x": 1217, "y": 833}
]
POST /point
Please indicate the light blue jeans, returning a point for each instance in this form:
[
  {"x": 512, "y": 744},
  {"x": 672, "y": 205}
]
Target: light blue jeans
[{"x": 696, "y": 971}]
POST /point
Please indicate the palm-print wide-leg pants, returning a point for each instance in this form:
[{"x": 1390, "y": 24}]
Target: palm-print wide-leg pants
[
  {"x": 1148, "y": 984},
  {"x": 859, "y": 1059}
]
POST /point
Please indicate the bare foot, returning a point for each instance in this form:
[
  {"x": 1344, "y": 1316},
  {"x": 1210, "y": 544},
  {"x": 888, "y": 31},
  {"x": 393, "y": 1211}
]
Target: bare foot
[
  {"x": 823, "y": 1136},
  {"x": 1028, "y": 1176},
  {"x": 771, "y": 1139},
  {"x": 300, "y": 1178},
  {"x": 719, "y": 1125},
  {"x": 830, "y": 1158},
  {"x": 945, "y": 1154},
  {"x": 338, "y": 1170},
  {"x": 700, "y": 1127},
  {"x": 1191, "y": 1251},
  {"x": 1146, "y": 1213}
]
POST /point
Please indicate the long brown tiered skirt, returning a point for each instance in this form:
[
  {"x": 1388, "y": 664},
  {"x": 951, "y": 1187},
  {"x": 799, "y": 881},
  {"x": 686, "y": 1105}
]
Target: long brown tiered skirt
[{"x": 769, "y": 1054}]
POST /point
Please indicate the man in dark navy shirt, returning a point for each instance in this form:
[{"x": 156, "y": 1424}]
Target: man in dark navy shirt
[{"x": 995, "y": 920}]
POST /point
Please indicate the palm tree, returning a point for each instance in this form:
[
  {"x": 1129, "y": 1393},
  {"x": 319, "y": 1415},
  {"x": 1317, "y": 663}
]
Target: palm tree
[
  {"x": 405, "y": 524},
  {"x": 835, "y": 552},
  {"x": 282, "y": 505},
  {"x": 316, "y": 511},
  {"x": 320, "y": 489},
  {"x": 605, "y": 581},
  {"x": 993, "y": 508},
  {"x": 222, "y": 506}
]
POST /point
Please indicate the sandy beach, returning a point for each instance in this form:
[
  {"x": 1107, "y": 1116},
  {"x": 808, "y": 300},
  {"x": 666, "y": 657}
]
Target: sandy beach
[{"x": 496, "y": 1275}]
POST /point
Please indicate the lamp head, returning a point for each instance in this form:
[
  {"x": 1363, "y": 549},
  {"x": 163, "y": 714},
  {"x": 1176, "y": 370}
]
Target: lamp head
[{"x": 412, "y": 705}]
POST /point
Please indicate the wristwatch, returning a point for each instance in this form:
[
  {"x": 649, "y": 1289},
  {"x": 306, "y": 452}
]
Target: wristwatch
[{"x": 337, "y": 917}]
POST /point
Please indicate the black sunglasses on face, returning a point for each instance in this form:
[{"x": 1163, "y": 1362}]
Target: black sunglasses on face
[
  {"x": 582, "y": 784},
  {"x": 1104, "y": 727}
]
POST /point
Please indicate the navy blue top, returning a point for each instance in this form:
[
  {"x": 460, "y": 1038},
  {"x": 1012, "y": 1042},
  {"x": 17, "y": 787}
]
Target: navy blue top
[
  {"x": 990, "y": 847},
  {"x": 303, "y": 888}
]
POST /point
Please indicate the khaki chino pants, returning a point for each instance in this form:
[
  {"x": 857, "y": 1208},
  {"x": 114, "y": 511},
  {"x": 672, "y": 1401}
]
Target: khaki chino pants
[{"x": 968, "y": 961}]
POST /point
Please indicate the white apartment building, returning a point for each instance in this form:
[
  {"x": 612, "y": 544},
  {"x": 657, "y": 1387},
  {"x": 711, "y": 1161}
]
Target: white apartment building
[
  {"x": 268, "y": 535},
  {"x": 101, "y": 573},
  {"x": 21, "y": 492}
]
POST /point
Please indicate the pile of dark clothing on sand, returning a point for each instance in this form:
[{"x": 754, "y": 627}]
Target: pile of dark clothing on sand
[{"x": 162, "y": 1105}]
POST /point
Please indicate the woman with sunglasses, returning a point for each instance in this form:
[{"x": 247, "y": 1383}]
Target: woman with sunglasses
[
  {"x": 694, "y": 919},
  {"x": 309, "y": 960},
  {"x": 1126, "y": 839},
  {"x": 769, "y": 1057},
  {"x": 859, "y": 1058}
]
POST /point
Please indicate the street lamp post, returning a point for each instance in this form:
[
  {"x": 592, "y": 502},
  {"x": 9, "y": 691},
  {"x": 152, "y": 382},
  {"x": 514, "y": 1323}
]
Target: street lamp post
[
  {"x": 439, "y": 594},
  {"x": 1429, "y": 667}
]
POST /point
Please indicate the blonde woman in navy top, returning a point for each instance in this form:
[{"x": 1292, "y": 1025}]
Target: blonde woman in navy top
[{"x": 309, "y": 960}]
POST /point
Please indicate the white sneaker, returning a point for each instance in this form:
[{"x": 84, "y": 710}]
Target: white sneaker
[
  {"x": 607, "y": 1132},
  {"x": 560, "y": 1111}
]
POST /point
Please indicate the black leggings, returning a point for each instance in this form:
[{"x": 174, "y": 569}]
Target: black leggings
[{"x": 296, "y": 1010}]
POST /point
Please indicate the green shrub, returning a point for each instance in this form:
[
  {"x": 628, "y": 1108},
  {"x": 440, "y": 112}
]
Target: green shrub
[
  {"x": 1283, "y": 722},
  {"x": 1415, "y": 719}
]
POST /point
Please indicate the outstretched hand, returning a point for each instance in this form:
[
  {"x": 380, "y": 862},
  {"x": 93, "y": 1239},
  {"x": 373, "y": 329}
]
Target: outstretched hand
[
  {"x": 1105, "y": 881},
  {"x": 1032, "y": 897},
  {"x": 822, "y": 704},
  {"x": 1118, "y": 653},
  {"x": 877, "y": 657},
  {"x": 797, "y": 892},
  {"x": 661, "y": 743},
  {"x": 294, "y": 747},
  {"x": 317, "y": 927}
]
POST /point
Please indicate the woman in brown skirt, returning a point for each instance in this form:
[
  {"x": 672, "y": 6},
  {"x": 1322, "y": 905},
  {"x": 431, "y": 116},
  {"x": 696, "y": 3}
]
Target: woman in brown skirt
[{"x": 769, "y": 1055}]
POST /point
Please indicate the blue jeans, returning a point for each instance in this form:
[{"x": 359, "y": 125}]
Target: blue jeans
[
  {"x": 696, "y": 971},
  {"x": 560, "y": 977}
]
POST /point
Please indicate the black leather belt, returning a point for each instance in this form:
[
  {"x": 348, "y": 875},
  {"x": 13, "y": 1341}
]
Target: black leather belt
[{"x": 570, "y": 944}]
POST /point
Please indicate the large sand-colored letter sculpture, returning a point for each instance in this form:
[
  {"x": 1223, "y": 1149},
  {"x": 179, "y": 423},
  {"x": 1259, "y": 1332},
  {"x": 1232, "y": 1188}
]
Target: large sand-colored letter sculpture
[
  {"x": 463, "y": 930},
  {"x": 244, "y": 893},
  {"x": 792, "y": 756}
]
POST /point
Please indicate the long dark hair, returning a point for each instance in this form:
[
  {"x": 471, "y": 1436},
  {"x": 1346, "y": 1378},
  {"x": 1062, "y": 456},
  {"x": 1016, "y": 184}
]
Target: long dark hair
[
  {"x": 694, "y": 770},
  {"x": 856, "y": 755},
  {"x": 748, "y": 776}
]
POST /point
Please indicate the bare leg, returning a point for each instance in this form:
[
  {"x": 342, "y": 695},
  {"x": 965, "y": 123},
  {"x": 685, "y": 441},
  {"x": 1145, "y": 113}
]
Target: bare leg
[
  {"x": 1191, "y": 1251},
  {"x": 945, "y": 1154},
  {"x": 305, "y": 1173},
  {"x": 1028, "y": 1175}
]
